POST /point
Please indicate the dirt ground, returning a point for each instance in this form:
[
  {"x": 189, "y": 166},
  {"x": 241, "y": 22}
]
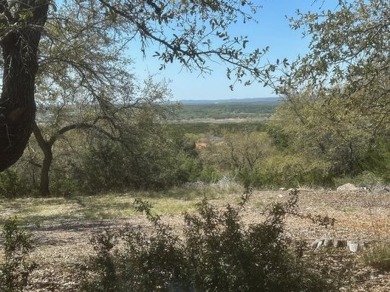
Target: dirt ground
[{"x": 62, "y": 246}]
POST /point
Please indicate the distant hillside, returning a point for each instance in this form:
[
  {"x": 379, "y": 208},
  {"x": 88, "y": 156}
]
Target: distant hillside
[
  {"x": 224, "y": 101},
  {"x": 248, "y": 109}
]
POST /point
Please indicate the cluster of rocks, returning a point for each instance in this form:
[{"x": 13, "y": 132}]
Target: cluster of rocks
[
  {"x": 351, "y": 188},
  {"x": 351, "y": 245},
  {"x": 348, "y": 187}
]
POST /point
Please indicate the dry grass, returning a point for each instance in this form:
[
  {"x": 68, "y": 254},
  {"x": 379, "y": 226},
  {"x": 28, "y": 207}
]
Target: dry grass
[{"x": 62, "y": 227}]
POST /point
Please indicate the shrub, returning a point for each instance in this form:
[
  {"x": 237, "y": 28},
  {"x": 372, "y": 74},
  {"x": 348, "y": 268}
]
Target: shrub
[
  {"x": 209, "y": 174},
  {"x": 377, "y": 160},
  {"x": 293, "y": 171},
  {"x": 216, "y": 252},
  {"x": 11, "y": 185},
  {"x": 16, "y": 268},
  {"x": 378, "y": 256},
  {"x": 108, "y": 166},
  {"x": 364, "y": 179}
]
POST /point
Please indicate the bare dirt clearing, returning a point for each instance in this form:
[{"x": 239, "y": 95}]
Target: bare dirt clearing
[{"x": 62, "y": 233}]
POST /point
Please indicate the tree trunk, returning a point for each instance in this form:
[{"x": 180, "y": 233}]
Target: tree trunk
[
  {"x": 47, "y": 150},
  {"x": 19, "y": 44},
  {"x": 46, "y": 147}
]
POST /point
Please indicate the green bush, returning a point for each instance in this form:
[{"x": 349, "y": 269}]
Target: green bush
[
  {"x": 378, "y": 256},
  {"x": 209, "y": 174},
  {"x": 216, "y": 252},
  {"x": 63, "y": 186},
  {"x": 377, "y": 160},
  {"x": 16, "y": 267},
  {"x": 292, "y": 171},
  {"x": 189, "y": 170},
  {"x": 364, "y": 179},
  {"x": 11, "y": 185},
  {"x": 110, "y": 166}
]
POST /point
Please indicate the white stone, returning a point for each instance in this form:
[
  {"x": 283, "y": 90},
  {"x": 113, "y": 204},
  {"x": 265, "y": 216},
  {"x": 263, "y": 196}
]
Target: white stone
[
  {"x": 353, "y": 245},
  {"x": 347, "y": 187}
]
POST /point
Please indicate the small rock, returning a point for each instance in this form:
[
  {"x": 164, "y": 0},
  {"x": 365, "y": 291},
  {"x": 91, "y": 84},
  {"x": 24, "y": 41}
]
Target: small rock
[
  {"x": 348, "y": 187},
  {"x": 317, "y": 243},
  {"x": 320, "y": 243},
  {"x": 323, "y": 242},
  {"x": 355, "y": 245},
  {"x": 352, "y": 245},
  {"x": 314, "y": 244}
]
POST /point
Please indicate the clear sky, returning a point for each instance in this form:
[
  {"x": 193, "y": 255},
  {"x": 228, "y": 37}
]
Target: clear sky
[{"x": 272, "y": 29}]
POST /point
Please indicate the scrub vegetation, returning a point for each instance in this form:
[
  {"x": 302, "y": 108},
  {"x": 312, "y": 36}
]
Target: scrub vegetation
[{"x": 132, "y": 192}]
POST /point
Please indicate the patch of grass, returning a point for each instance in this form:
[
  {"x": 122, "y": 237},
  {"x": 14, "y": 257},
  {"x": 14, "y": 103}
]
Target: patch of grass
[
  {"x": 378, "y": 256},
  {"x": 119, "y": 206},
  {"x": 172, "y": 206},
  {"x": 37, "y": 210},
  {"x": 108, "y": 206},
  {"x": 189, "y": 192},
  {"x": 349, "y": 209},
  {"x": 175, "y": 193}
]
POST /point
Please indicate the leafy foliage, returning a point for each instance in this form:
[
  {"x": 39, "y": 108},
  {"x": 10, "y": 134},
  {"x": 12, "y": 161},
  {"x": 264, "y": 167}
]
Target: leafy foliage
[
  {"x": 216, "y": 252},
  {"x": 107, "y": 166},
  {"x": 242, "y": 154},
  {"x": 12, "y": 185},
  {"x": 337, "y": 94},
  {"x": 294, "y": 170},
  {"x": 378, "y": 256},
  {"x": 202, "y": 35},
  {"x": 348, "y": 53},
  {"x": 16, "y": 268},
  {"x": 341, "y": 140},
  {"x": 81, "y": 56},
  {"x": 148, "y": 161}
]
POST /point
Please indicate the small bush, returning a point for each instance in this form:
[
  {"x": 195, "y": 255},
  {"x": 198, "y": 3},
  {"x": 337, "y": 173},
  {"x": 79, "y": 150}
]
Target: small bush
[
  {"x": 364, "y": 179},
  {"x": 109, "y": 166},
  {"x": 292, "y": 171},
  {"x": 378, "y": 256},
  {"x": 216, "y": 252},
  {"x": 16, "y": 268},
  {"x": 11, "y": 185},
  {"x": 209, "y": 174}
]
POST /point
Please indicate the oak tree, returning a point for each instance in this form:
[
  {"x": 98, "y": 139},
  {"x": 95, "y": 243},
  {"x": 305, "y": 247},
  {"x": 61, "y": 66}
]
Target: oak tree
[
  {"x": 338, "y": 94},
  {"x": 191, "y": 32},
  {"x": 348, "y": 60},
  {"x": 21, "y": 24}
]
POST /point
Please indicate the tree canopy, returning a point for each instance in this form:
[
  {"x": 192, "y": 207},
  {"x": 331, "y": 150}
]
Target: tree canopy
[
  {"x": 338, "y": 94},
  {"x": 348, "y": 59},
  {"x": 190, "y": 32}
]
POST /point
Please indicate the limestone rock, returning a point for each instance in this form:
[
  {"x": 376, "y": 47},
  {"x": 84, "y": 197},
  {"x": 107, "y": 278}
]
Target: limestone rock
[
  {"x": 348, "y": 188},
  {"x": 355, "y": 245},
  {"x": 351, "y": 245}
]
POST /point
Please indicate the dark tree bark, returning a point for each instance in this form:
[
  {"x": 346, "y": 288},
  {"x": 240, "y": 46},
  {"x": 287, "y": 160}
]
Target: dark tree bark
[
  {"x": 19, "y": 43},
  {"x": 46, "y": 147}
]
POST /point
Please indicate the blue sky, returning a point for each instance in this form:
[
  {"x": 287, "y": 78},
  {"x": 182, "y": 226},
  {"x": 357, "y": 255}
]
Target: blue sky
[{"x": 271, "y": 30}]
